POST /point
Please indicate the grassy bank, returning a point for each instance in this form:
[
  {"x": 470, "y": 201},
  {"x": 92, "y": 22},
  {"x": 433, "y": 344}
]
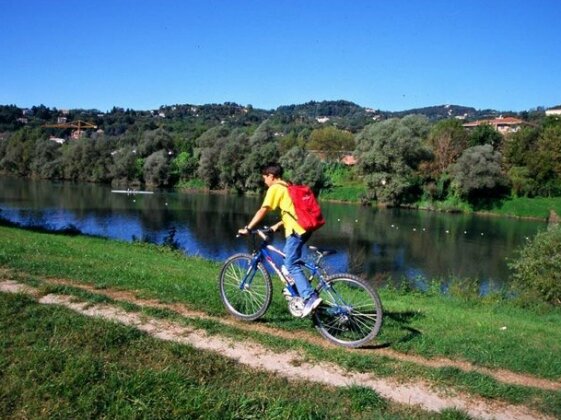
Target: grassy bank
[
  {"x": 523, "y": 207},
  {"x": 351, "y": 193},
  {"x": 350, "y": 190},
  {"x": 538, "y": 207},
  {"x": 492, "y": 333}
]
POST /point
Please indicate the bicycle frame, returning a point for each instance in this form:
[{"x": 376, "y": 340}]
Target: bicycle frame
[{"x": 264, "y": 254}]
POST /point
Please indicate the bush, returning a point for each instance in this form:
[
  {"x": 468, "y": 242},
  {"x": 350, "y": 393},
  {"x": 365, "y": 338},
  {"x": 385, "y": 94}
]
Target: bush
[
  {"x": 478, "y": 174},
  {"x": 537, "y": 272}
]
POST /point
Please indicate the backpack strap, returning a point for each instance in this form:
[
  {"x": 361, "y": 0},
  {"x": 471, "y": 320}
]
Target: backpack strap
[{"x": 286, "y": 184}]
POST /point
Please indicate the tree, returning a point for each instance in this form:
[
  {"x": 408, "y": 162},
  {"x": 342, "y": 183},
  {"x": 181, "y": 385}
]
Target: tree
[
  {"x": 302, "y": 167},
  {"x": 519, "y": 146},
  {"x": 263, "y": 148},
  {"x": 100, "y": 171},
  {"x": 9, "y": 115},
  {"x": 183, "y": 166},
  {"x": 331, "y": 141},
  {"x": 389, "y": 153},
  {"x": 522, "y": 183},
  {"x": 123, "y": 167},
  {"x": 156, "y": 169},
  {"x": 18, "y": 152},
  {"x": 47, "y": 160},
  {"x": 209, "y": 146},
  {"x": 155, "y": 140},
  {"x": 485, "y": 134},
  {"x": 537, "y": 272},
  {"x": 477, "y": 173},
  {"x": 230, "y": 160},
  {"x": 447, "y": 140},
  {"x": 288, "y": 141},
  {"x": 546, "y": 162}
]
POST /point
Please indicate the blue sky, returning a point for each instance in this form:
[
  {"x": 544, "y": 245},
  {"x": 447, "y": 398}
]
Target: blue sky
[{"x": 390, "y": 55}]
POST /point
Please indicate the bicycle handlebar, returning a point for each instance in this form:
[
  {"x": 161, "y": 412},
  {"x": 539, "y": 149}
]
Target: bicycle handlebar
[{"x": 262, "y": 232}]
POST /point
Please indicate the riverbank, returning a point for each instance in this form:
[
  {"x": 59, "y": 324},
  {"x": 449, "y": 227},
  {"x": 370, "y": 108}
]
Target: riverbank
[
  {"x": 536, "y": 208},
  {"x": 462, "y": 342}
]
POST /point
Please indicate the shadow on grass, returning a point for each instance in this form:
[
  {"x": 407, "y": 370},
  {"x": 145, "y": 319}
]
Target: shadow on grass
[{"x": 398, "y": 323}]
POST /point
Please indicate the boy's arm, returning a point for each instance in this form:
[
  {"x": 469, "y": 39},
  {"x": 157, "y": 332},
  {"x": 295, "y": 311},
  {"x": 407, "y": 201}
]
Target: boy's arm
[
  {"x": 276, "y": 226},
  {"x": 259, "y": 215}
]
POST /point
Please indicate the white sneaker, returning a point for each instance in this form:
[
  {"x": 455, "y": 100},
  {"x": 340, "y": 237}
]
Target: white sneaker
[{"x": 311, "y": 303}]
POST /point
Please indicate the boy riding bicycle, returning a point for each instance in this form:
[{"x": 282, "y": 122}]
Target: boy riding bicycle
[{"x": 278, "y": 197}]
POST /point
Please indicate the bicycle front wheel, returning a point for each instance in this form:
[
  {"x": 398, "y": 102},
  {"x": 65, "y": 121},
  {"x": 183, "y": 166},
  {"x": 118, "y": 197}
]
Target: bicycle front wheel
[
  {"x": 245, "y": 287},
  {"x": 351, "y": 312}
]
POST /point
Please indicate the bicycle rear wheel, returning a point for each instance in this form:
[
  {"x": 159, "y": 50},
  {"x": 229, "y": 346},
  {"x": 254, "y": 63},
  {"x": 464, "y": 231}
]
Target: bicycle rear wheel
[
  {"x": 245, "y": 288},
  {"x": 351, "y": 312}
]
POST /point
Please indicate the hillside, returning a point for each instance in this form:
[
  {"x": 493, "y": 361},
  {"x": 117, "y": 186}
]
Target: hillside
[{"x": 342, "y": 113}]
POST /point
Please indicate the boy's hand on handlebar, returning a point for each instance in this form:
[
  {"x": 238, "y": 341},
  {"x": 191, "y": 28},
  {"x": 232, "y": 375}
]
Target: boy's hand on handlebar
[{"x": 243, "y": 231}]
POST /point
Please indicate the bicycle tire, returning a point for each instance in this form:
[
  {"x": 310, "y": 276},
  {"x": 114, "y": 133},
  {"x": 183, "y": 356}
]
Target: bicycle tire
[
  {"x": 351, "y": 312},
  {"x": 252, "y": 301}
]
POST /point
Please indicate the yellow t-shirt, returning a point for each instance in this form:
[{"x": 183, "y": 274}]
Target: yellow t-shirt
[{"x": 278, "y": 197}]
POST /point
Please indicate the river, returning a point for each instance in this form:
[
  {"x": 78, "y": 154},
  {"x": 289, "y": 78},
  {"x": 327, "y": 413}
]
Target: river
[{"x": 385, "y": 245}]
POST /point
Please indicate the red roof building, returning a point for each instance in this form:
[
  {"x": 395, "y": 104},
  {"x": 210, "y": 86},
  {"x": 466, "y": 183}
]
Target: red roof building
[{"x": 503, "y": 125}]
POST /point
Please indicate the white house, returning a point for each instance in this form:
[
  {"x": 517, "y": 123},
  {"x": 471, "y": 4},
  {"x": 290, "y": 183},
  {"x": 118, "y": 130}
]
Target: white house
[{"x": 556, "y": 110}]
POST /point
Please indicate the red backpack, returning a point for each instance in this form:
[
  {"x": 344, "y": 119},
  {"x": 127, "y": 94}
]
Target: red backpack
[{"x": 308, "y": 212}]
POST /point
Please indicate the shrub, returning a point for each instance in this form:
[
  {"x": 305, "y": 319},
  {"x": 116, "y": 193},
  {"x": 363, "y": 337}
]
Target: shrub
[
  {"x": 477, "y": 173},
  {"x": 537, "y": 271}
]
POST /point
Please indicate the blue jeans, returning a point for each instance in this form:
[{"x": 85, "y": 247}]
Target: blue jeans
[{"x": 293, "y": 251}]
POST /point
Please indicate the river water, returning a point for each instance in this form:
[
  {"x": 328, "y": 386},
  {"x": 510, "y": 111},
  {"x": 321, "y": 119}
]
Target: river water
[{"x": 384, "y": 245}]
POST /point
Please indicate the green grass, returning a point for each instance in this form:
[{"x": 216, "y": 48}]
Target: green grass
[
  {"x": 348, "y": 193},
  {"x": 450, "y": 205},
  {"x": 192, "y": 184},
  {"x": 54, "y": 363},
  {"x": 494, "y": 333},
  {"x": 537, "y": 207},
  {"x": 427, "y": 324}
]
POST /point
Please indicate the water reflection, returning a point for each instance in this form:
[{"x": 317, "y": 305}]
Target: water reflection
[{"x": 382, "y": 244}]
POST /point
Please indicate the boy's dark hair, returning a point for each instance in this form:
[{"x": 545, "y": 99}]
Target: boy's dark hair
[{"x": 272, "y": 169}]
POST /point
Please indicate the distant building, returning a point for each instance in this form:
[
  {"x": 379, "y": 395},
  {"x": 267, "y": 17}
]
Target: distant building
[
  {"x": 556, "y": 110},
  {"x": 503, "y": 125},
  {"x": 322, "y": 120},
  {"x": 349, "y": 160}
]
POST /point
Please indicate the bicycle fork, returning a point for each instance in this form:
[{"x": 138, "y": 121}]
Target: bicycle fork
[
  {"x": 340, "y": 307},
  {"x": 249, "y": 275}
]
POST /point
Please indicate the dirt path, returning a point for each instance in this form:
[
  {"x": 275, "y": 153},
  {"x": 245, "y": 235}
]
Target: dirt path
[
  {"x": 288, "y": 364},
  {"x": 500, "y": 375}
]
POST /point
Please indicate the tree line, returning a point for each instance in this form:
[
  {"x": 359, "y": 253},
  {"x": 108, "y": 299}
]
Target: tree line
[{"x": 400, "y": 160}]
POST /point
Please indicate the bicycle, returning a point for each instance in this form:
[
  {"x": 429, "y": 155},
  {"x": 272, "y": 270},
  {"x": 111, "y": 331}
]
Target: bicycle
[{"x": 350, "y": 314}]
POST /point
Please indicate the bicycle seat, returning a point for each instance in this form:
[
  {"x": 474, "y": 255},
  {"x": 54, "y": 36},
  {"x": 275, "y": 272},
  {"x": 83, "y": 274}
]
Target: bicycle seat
[{"x": 323, "y": 252}]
